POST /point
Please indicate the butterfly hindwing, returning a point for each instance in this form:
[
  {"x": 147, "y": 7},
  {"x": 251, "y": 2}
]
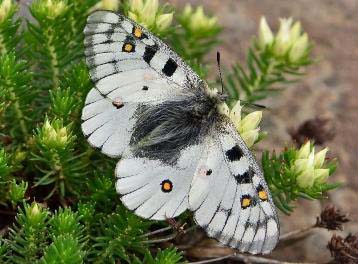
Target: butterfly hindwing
[
  {"x": 153, "y": 189},
  {"x": 233, "y": 203}
]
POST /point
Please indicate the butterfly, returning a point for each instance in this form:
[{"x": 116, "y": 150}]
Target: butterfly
[{"x": 177, "y": 150}]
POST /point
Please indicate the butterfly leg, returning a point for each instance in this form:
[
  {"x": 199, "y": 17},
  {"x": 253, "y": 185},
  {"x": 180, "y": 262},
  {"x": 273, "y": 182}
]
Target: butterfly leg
[{"x": 177, "y": 226}]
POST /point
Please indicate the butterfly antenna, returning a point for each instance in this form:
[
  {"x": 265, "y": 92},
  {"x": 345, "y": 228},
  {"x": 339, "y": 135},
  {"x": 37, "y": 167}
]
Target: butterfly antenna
[
  {"x": 222, "y": 83},
  {"x": 219, "y": 67}
]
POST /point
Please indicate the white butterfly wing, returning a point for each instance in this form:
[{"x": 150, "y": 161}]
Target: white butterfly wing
[
  {"x": 232, "y": 202},
  {"x": 108, "y": 32},
  {"x": 155, "y": 190},
  {"x": 106, "y": 126},
  {"x": 129, "y": 67},
  {"x": 217, "y": 178}
]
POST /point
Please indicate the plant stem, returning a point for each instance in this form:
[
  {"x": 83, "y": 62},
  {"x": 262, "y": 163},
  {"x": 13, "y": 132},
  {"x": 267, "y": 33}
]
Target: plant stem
[
  {"x": 297, "y": 233},
  {"x": 213, "y": 260},
  {"x": 19, "y": 114},
  {"x": 262, "y": 76},
  {"x": 166, "y": 238},
  {"x": 157, "y": 231},
  {"x": 163, "y": 239},
  {"x": 54, "y": 62},
  {"x": 254, "y": 259},
  {"x": 246, "y": 259},
  {"x": 13, "y": 98},
  {"x": 3, "y": 49}
]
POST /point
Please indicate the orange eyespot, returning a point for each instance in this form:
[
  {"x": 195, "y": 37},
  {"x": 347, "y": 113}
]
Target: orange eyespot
[
  {"x": 245, "y": 202},
  {"x": 263, "y": 195},
  {"x": 128, "y": 47},
  {"x": 137, "y": 32},
  {"x": 167, "y": 186}
]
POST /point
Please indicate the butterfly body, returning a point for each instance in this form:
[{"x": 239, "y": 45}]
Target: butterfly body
[
  {"x": 179, "y": 151},
  {"x": 162, "y": 131}
]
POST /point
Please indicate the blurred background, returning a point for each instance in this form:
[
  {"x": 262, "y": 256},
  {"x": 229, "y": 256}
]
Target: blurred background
[{"x": 329, "y": 91}]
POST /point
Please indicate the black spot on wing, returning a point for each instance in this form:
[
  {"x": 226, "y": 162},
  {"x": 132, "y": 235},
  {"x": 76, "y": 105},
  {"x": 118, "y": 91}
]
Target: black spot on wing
[
  {"x": 145, "y": 88},
  {"x": 235, "y": 153},
  {"x": 149, "y": 53},
  {"x": 130, "y": 39},
  {"x": 260, "y": 188},
  {"x": 246, "y": 177},
  {"x": 170, "y": 67}
]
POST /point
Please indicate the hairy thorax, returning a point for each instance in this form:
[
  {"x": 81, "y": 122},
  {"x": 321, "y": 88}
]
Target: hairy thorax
[{"x": 163, "y": 130}]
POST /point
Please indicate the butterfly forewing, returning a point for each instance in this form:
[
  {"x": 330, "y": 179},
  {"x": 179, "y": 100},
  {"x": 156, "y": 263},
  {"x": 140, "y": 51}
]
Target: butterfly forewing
[
  {"x": 129, "y": 67},
  {"x": 111, "y": 37}
]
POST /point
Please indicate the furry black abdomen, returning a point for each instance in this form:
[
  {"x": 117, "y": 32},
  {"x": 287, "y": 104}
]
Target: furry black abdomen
[{"x": 163, "y": 130}]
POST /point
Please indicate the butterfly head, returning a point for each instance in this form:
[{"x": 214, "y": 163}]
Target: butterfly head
[
  {"x": 217, "y": 95},
  {"x": 222, "y": 97}
]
